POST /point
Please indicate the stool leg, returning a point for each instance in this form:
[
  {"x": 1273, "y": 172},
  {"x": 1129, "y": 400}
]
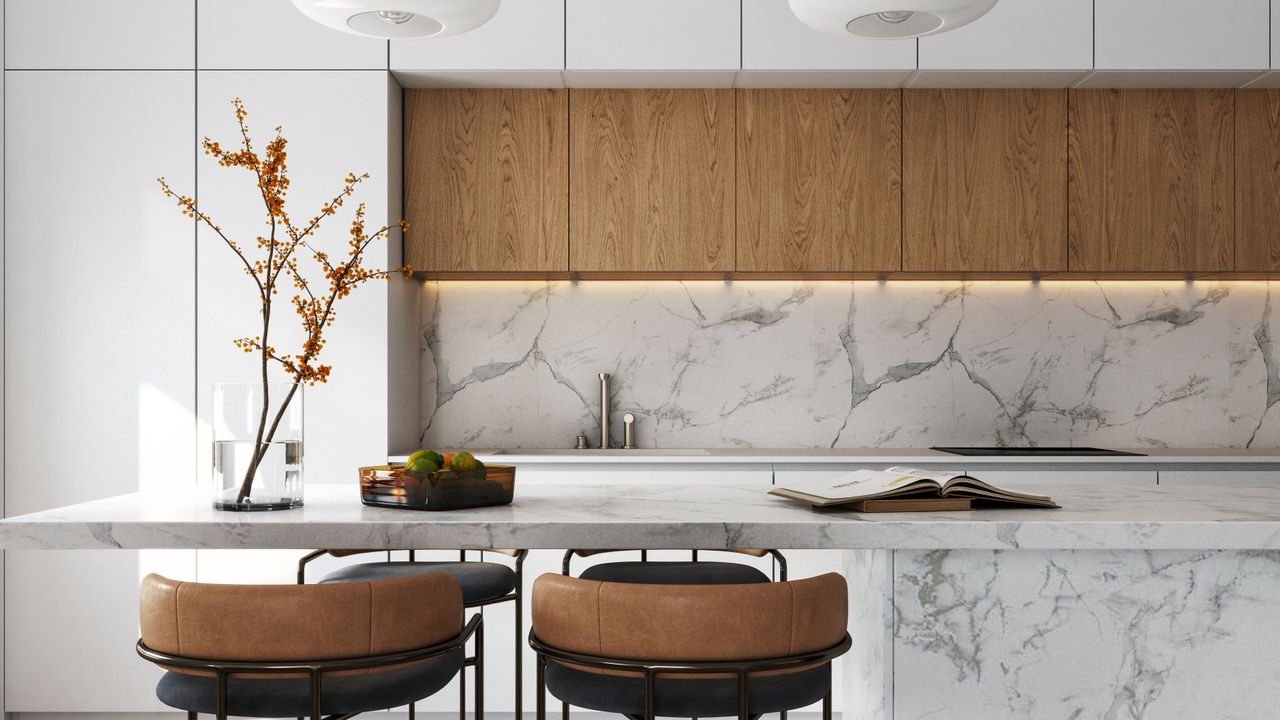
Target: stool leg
[
  {"x": 479, "y": 672},
  {"x": 519, "y": 656},
  {"x": 826, "y": 707},
  {"x": 192, "y": 715},
  {"x": 413, "y": 710},
  {"x": 540, "y": 703},
  {"x": 462, "y": 693}
]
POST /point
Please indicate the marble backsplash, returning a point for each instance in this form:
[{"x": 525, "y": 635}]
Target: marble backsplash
[{"x": 853, "y": 364}]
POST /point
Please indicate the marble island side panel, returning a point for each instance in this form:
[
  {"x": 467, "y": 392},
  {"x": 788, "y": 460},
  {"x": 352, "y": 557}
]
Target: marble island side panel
[{"x": 1076, "y": 634}]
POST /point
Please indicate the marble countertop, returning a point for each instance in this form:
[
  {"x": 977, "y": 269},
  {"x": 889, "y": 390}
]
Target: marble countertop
[
  {"x": 705, "y": 516},
  {"x": 1153, "y": 457}
]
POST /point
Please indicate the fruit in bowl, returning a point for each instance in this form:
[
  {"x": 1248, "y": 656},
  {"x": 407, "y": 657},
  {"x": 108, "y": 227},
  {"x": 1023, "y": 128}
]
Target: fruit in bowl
[{"x": 430, "y": 461}]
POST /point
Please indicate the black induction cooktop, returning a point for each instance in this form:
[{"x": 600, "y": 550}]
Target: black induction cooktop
[{"x": 1009, "y": 451}]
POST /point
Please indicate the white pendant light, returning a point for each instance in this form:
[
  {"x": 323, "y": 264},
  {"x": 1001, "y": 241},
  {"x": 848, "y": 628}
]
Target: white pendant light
[
  {"x": 888, "y": 19},
  {"x": 400, "y": 18}
]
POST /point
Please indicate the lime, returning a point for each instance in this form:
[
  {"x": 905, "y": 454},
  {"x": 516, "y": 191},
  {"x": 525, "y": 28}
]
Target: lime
[
  {"x": 416, "y": 456},
  {"x": 436, "y": 457},
  {"x": 422, "y": 465},
  {"x": 464, "y": 461}
]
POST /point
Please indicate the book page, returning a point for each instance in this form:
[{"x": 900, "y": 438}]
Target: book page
[{"x": 856, "y": 485}]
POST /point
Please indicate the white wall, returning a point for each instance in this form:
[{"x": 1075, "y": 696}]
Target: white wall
[{"x": 119, "y": 316}]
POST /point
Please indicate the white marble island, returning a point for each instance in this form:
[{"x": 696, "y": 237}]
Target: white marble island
[{"x": 1127, "y": 603}]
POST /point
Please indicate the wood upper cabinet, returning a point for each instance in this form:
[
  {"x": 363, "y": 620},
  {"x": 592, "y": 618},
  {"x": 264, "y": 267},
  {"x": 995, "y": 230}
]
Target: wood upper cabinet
[
  {"x": 652, "y": 181},
  {"x": 1151, "y": 180},
  {"x": 1257, "y": 181},
  {"x": 984, "y": 180},
  {"x": 486, "y": 182},
  {"x": 819, "y": 180}
]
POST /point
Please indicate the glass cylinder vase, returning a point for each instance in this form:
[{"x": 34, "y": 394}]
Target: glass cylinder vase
[{"x": 257, "y": 446}]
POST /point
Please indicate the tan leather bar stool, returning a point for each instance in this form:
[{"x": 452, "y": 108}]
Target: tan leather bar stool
[
  {"x": 483, "y": 583},
  {"x": 289, "y": 651},
  {"x": 643, "y": 650}
]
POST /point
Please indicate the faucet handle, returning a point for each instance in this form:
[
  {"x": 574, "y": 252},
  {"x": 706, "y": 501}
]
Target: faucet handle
[
  {"x": 582, "y": 442},
  {"x": 628, "y": 432}
]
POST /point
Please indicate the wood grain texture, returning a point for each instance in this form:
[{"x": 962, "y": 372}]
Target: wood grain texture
[
  {"x": 1257, "y": 181},
  {"x": 819, "y": 180},
  {"x": 1151, "y": 180},
  {"x": 651, "y": 176},
  {"x": 984, "y": 180},
  {"x": 486, "y": 180}
]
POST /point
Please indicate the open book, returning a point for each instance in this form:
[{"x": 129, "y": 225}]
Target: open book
[{"x": 904, "y": 489}]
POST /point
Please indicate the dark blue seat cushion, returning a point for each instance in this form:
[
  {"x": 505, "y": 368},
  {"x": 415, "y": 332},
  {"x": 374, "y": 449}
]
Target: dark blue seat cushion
[
  {"x": 675, "y": 573},
  {"x": 683, "y": 697},
  {"x": 480, "y": 581},
  {"x": 291, "y": 697}
]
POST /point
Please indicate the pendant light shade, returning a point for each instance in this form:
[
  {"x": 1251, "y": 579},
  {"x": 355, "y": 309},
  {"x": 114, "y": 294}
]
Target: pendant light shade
[
  {"x": 888, "y": 19},
  {"x": 400, "y": 18}
]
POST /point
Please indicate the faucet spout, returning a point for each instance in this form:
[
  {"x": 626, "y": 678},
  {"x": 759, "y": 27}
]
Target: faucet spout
[{"x": 604, "y": 411}]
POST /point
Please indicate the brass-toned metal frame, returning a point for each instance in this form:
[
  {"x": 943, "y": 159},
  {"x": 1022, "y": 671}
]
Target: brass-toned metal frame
[
  {"x": 316, "y": 671},
  {"x": 512, "y": 597},
  {"x": 651, "y": 669},
  {"x": 778, "y": 558}
]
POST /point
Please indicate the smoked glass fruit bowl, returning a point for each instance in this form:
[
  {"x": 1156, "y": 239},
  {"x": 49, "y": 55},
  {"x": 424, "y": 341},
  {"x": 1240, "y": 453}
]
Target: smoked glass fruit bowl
[{"x": 393, "y": 486}]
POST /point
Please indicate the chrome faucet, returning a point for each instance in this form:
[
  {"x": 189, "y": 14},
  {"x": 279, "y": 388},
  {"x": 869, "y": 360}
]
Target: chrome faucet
[{"x": 604, "y": 411}]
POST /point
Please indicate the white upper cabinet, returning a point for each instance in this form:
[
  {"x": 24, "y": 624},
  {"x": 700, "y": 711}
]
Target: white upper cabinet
[
  {"x": 98, "y": 35},
  {"x": 273, "y": 35},
  {"x": 1018, "y": 43},
  {"x": 676, "y": 42},
  {"x": 523, "y": 45},
  {"x": 1182, "y": 34},
  {"x": 779, "y": 50}
]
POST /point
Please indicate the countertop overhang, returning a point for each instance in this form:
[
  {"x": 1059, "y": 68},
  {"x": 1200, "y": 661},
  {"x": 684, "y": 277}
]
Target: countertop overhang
[
  {"x": 1152, "y": 458},
  {"x": 592, "y": 516}
]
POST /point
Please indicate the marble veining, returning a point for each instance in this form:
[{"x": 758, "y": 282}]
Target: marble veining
[
  {"x": 1085, "y": 634},
  {"x": 853, "y": 364}
]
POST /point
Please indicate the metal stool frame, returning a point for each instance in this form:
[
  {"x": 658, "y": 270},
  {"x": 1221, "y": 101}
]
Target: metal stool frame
[
  {"x": 651, "y": 669},
  {"x": 513, "y": 597},
  {"x": 315, "y": 671}
]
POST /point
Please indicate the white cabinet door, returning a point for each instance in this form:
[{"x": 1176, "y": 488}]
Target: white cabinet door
[
  {"x": 1027, "y": 43},
  {"x": 1224, "y": 476},
  {"x": 1065, "y": 477},
  {"x": 98, "y": 35},
  {"x": 273, "y": 35},
  {"x": 100, "y": 363},
  {"x": 1181, "y": 34},
  {"x": 674, "y": 42},
  {"x": 780, "y": 51},
  {"x": 522, "y": 46},
  {"x": 336, "y": 122}
]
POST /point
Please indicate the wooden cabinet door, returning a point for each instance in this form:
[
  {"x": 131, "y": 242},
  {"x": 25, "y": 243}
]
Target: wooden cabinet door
[
  {"x": 819, "y": 180},
  {"x": 984, "y": 180},
  {"x": 1257, "y": 181},
  {"x": 1150, "y": 180},
  {"x": 652, "y": 181},
  {"x": 485, "y": 180}
]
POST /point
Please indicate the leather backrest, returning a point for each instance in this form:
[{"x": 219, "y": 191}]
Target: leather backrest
[
  {"x": 635, "y": 621},
  {"x": 299, "y": 622}
]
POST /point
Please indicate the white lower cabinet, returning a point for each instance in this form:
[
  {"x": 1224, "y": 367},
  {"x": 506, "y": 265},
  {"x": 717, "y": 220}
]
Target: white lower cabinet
[
  {"x": 1249, "y": 478},
  {"x": 1064, "y": 477}
]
